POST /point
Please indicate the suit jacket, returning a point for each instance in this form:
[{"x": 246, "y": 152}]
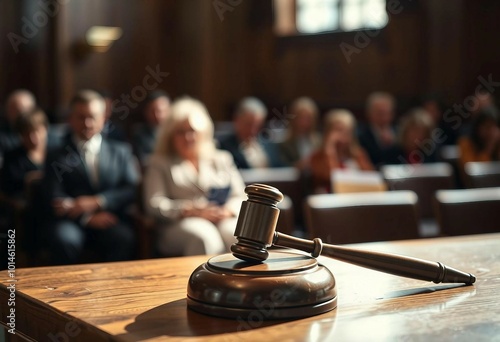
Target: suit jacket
[
  {"x": 378, "y": 155},
  {"x": 289, "y": 149},
  {"x": 144, "y": 139},
  {"x": 16, "y": 166},
  {"x": 67, "y": 176},
  {"x": 232, "y": 145},
  {"x": 9, "y": 139},
  {"x": 171, "y": 183}
]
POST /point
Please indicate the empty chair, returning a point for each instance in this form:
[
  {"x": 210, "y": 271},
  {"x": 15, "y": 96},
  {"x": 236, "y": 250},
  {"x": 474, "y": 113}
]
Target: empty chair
[
  {"x": 362, "y": 217},
  {"x": 423, "y": 179},
  {"x": 482, "y": 174},
  {"x": 468, "y": 211}
]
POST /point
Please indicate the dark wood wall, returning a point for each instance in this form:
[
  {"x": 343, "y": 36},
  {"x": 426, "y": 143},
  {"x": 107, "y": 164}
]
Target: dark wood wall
[{"x": 438, "y": 46}]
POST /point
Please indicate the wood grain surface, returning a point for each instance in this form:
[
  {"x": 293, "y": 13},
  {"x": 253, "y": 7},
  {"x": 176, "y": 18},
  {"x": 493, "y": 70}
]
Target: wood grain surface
[{"x": 146, "y": 301}]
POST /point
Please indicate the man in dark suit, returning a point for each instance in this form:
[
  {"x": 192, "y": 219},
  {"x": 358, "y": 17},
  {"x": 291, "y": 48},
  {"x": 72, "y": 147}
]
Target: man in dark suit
[
  {"x": 91, "y": 182},
  {"x": 378, "y": 137},
  {"x": 248, "y": 147}
]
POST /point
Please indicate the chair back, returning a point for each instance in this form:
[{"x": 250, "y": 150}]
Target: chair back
[
  {"x": 468, "y": 211},
  {"x": 423, "y": 179},
  {"x": 482, "y": 174},
  {"x": 362, "y": 217}
]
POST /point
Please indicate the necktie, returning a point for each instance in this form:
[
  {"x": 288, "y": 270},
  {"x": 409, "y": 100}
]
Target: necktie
[{"x": 91, "y": 163}]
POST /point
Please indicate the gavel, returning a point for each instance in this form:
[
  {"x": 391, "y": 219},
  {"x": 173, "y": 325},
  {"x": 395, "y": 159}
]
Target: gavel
[{"x": 255, "y": 232}]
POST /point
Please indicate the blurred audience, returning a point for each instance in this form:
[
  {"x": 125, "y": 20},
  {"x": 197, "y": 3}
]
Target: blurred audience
[
  {"x": 415, "y": 145},
  {"x": 90, "y": 183},
  {"x": 378, "y": 137},
  {"x": 18, "y": 102},
  {"x": 28, "y": 157},
  {"x": 339, "y": 150},
  {"x": 190, "y": 187},
  {"x": 433, "y": 105},
  {"x": 248, "y": 147},
  {"x": 155, "y": 109},
  {"x": 483, "y": 142},
  {"x": 20, "y": 180},
  {"x": 302, "y": 138},
  {"x": 112, "y": 129}
]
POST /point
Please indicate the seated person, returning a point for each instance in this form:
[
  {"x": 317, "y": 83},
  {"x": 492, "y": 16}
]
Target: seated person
[
  {"x": 155, "y": 110},
  {"x": 415, "y": 144},
  {"x": 247, "y": 146},
  {"x": 111, "y": 130},
  {"x": 20, "y": 101},
  {"x": 29, "y": 157},
  {"x": 191, "y": 188},
  {"x": 22, "y": 166},
  {"x": 339, "y": 150},
  {"x": 434, "y": 106},
  {"x": 483, "y": 142},
  {"x": 302, "y": 138},
  {"x": 378, "y": 137},
  {"x": 90, "y": 183}
]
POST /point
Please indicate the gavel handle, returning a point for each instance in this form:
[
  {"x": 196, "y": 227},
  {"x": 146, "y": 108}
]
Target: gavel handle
[{"x": 389, "y": 263}]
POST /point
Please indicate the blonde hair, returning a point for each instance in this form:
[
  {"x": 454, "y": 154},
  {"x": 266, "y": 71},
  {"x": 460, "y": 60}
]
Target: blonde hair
[
  {"x": 417, "y": 117},
  {"x": 344, "y": 116},
  {"x": 186, "y": 108},
  {"x": 339, "y": 115}
]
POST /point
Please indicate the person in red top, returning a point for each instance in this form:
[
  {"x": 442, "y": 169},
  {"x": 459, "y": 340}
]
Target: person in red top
[{"x": 339, "y": 150}]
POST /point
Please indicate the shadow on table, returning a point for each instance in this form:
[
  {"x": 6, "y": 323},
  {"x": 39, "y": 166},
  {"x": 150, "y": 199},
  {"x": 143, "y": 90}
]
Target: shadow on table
[{"x": 175, "y": 319}]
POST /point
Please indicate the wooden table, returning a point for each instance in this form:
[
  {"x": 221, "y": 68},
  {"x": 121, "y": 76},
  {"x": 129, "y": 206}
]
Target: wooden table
[{"x": 146, "y": 301}]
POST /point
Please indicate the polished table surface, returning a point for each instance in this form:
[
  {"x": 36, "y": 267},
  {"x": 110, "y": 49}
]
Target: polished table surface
[{"x": 146, "y": 301}]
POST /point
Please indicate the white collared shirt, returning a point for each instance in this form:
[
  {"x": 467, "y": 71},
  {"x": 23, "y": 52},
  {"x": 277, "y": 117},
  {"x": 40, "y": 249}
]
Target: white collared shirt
[
  {"x": 90, "y": 150},
  {"x": 254, "y": 154}
]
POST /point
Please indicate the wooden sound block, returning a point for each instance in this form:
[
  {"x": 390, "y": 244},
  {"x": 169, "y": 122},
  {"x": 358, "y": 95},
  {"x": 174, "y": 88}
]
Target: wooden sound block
[{"x": 286, "y": 285}]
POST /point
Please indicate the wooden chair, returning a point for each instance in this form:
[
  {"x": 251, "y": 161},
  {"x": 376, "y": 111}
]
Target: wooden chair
[
  {"x": 468, "y": 211},
  {"x": 423, "y": 179},
  {"x": 482, "y": 174},
  {"x": 362, "y": 217}
]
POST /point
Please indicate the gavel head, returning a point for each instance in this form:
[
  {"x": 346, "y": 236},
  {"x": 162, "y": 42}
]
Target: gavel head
[{"x": 255, "y": 229}]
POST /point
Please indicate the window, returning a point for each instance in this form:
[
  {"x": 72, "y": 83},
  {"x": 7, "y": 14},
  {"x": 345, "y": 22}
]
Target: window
[{"x": 319, "y": 16}]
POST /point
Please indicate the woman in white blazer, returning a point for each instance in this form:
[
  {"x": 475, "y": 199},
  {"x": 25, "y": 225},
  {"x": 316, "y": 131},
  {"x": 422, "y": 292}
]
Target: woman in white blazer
[{"x": 191, "y": 188}]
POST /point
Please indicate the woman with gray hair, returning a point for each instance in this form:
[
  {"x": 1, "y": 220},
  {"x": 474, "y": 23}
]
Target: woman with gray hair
[
  {"x": 192, "y": 189},
  {"x": 302, "y": 138}
]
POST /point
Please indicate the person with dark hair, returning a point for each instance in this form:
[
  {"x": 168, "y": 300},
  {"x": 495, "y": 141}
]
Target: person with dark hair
[
  {"x": 111, "y": 129},
  {"x": 155, "y": 109},
  {"x": 19, "y": 101},
  {"x": 30, "y": 156},
  {"x": 91, "y": 182},
  {"x": 19, "y": 186},
  {"x": 378, "y": 137},
  {"x": 482, "y": 144},
  {"x": 433, "y": 105}
]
